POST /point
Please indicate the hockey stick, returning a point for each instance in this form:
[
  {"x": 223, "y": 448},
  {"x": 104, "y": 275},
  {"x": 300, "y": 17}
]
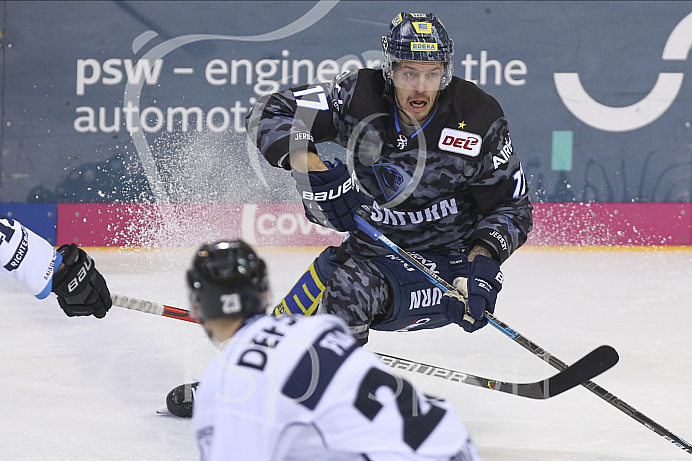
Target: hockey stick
[
  {"x": 520, "y": 339},
  {"x": 592, "y": 364},
  {"x": 151, "y": 307}
]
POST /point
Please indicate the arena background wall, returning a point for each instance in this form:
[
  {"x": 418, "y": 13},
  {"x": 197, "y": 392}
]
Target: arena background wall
[{"x": 122, "y": 122}]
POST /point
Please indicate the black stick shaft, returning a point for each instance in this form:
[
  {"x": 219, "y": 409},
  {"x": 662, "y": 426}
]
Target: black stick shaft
[{"x": 361, "y": 220}]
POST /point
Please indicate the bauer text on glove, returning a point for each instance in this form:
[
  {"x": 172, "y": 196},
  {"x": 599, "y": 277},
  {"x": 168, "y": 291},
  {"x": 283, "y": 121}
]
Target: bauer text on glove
[
  {"x": 331, "y": 197},
  {"x": 80, "y": 288}
]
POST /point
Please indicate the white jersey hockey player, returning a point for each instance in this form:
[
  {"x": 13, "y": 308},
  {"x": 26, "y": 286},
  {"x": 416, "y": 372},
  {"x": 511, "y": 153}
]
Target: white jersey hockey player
[
  {"x": 300, "y": 388},
  {"x": 68, "y": 272}
]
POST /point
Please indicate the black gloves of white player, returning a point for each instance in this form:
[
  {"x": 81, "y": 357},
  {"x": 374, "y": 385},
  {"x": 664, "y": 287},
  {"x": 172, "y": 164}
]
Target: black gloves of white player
[
  {"x": 80, "y": 288},
  {"x": 330, "y": 197},
  {"x": 476, "y": 287}
]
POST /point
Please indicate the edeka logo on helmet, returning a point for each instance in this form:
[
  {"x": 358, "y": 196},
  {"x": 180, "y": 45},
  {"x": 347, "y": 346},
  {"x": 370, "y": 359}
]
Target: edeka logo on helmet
[{"x": 421, "y": 46}]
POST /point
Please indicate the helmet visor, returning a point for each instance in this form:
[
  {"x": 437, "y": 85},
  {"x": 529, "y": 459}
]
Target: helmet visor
[{"x": 419, "y": 76}]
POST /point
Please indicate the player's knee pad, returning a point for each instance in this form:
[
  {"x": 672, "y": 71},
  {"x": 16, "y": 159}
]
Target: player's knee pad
[
  {"x": 306, "y": 294},
  {"x": 416, "y": 301}
]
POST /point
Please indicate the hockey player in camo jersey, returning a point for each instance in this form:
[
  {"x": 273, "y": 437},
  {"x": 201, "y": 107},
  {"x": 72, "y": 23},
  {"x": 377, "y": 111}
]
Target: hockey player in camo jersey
[
  {"x": 40, "y": 269},
  {"x": 431, "y": 155},
  {"x": 299, "y": 388}
]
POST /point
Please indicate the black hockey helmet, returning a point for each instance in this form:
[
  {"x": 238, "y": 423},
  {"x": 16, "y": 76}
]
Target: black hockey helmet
[
  {"x": 227, "y": 279},
  {"x": 417, "y": 37}
]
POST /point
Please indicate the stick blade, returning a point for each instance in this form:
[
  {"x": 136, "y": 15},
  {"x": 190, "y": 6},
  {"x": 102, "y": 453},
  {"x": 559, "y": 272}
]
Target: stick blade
[{"x": 592, "y": 364}]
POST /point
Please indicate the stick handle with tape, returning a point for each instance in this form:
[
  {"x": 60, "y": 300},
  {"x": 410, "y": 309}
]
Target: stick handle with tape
[{"x": 151, "y": 307}]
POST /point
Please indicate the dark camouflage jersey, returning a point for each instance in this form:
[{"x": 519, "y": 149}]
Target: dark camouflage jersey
[{"x": 451, "y": 183}]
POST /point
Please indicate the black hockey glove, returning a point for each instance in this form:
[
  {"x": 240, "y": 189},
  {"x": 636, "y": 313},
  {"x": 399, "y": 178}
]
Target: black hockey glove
[
  {"x": 80, "y": 288},
  {"x": 475, "y": 292},
  {"x": 330, "y": 197}
]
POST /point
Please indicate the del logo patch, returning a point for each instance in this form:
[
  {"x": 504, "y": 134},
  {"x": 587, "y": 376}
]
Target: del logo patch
[{"x": 460, "y": 142}]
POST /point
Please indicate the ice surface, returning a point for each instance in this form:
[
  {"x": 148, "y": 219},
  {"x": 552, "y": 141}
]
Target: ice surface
[{"x": 88, "y": 389}]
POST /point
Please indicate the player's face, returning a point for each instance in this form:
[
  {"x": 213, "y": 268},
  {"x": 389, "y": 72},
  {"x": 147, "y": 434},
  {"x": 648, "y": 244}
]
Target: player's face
[{"x": 416, "y": 86}]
